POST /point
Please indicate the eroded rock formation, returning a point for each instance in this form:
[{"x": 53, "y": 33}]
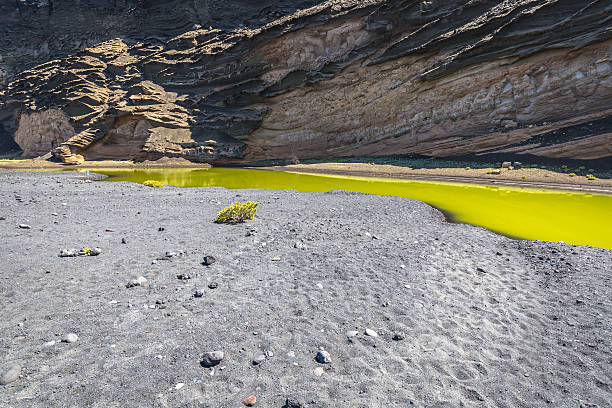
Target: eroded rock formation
[{"x": 341, "y": 78}]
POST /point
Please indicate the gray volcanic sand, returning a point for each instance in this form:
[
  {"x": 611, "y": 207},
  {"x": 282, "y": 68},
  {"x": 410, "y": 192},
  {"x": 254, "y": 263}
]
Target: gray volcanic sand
[{"x": 528, "y": 328}]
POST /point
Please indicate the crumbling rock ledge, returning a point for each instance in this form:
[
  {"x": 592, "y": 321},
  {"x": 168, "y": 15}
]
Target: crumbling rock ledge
[{"x": 341, "y": 78}]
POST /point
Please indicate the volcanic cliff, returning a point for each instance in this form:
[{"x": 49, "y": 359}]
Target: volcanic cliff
[{"x": 238, "y": 81}]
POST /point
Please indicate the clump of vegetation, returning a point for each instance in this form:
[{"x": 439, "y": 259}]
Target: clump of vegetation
[
  {"x": 153, "y": 183},
  {"x": 237, "y": 213},
  {"x": 572, "y": 174},
  {"x": 591, "y": 177},
  {"x": 468, "y": 168}
]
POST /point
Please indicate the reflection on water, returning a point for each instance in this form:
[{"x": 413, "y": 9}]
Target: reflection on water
[{"x": 575, "y": 218}]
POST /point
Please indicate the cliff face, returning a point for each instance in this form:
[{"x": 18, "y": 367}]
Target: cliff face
[{"x": 279, "y": 80}]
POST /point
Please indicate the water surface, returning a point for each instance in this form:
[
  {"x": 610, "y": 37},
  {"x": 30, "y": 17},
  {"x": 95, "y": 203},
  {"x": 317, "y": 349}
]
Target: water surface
[{"x": 574, "y": 218}]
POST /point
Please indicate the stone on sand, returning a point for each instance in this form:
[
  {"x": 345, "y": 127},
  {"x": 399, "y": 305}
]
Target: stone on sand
[
  {"x": 250, "y": 401},
  {"x": 24, "y": 226},
  {"x": 371, "y": 333},
  {"x": 209, "y": 260},
  {"x": 212, "y": 358},
  {"x": 140, "y": 281},
  {"x": 323, "y": 357},
  {"x": 70, "y": 338},
  {"x": 259, "y": 359},
  {"x": 10, "y": 375}
]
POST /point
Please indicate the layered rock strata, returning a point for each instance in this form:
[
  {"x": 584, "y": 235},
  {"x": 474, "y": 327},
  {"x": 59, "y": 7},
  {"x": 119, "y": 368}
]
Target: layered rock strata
[{"x": 342, "y": 78}]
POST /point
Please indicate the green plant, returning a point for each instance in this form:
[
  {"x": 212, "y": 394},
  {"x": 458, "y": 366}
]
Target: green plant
[
  {"x": 572, "y": 174},
  {"x": 591, "y": 177},
  {"x": 237, "y": 213},
  {"x": 468, "y": 168},
  {"x": 153, "y": 183}
]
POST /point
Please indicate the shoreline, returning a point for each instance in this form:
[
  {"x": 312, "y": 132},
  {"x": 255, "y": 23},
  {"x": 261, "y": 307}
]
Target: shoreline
[{"x": 533, "y": 178}]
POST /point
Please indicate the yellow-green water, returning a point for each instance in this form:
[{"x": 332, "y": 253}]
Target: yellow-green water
[{"x": 574, "y": 218}]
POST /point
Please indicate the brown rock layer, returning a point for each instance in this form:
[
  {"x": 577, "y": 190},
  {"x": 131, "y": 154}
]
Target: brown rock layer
[{"x": 343, "y": 78}]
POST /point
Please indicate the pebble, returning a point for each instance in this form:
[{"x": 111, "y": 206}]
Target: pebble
[
  {"x": 398, "y": 336},
  {"x": 123, "y": 241},
  {"x": 209, "y": 260},
  {"x": 178, "y": 386},
  {"x": 10, "y": 375},
  {"x": 24, "y": 226},
  {"x": 323, "y": 357},
  {"x": 198, "y": 294},
  {"x": 95, "y": 251},
  {"x": 299, "y": 245},
  {"x": 259, "y": 358},
  {"x": 70, "y": 338},
  {"x": 293, "y": 403},
  {"x": 140, "y": 281},
  {"x": 212, "y": 358},
  {"x": 183, "y": 276},
  {"x": 67, "y": 253},
  {"x": 371, "y": 333},
  {"x": 319, "y": 371},
  {"x": 276, "y": 259},
  {"x": 170, "y": 254},
  {"x": 49, "y": 344},
  {"x": 109, "y": 230},
  {"x": 213, "y": 285},
  {"x": 250, "y": 401},
  {"x": 352, "y": 333}
]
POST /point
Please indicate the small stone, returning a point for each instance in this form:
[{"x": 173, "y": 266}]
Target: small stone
[
  {"x": 2, "y": 218},
  {"x": 170, "y": 254},
  {"x": 67, "y": 253},
  {"x": 323, "y": 357},
  {"x": 140, "y": 281},
  {"x": 250, "y": 401},
  {"x": 299, "y": 245},
  {"x": 275, "y": 259},
  {"x": 213, "y": 285},
  {"x": 178, "y": 386},
  {"x": 398, "y": 336},
  {"x": 123, "y": 241},
  {"x": 293, "y": 403},
  {"x": 49, "y": 344},
  {"x": 70, "y": 338},
  {"x": 212, "y": 358},
  {"x": 109, "y": 230},
  {"x": 352, "y": 333},
  {"x": 24, "y": 226},
  {"x": 95, "y": 251},
  {"x": 259, "y": 358},
  {"x": 209, "y": 260},
  {"x": 10, "y": 375},
  {"x": 371, "y": 333},
  {"x": 183, "y": 276},
  {"x": 506, "y": 165},
  {"x": 198, "y": 294},
  {"x": 160, "y": 229}
]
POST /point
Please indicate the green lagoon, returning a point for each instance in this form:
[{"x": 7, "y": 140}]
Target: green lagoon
[{"x": 548, "y": 215}]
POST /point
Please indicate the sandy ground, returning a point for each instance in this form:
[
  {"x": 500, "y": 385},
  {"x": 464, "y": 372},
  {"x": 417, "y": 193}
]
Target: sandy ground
[
  {"x": 529, "y": 177},
  {"x": 479, "y": 320}
]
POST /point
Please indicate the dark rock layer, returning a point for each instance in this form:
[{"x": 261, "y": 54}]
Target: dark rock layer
[{"x": 277, "y": 80}]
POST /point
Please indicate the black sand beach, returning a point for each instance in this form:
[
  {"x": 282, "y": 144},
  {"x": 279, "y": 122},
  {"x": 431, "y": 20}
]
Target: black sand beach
[{"x": 463, "y": 317}]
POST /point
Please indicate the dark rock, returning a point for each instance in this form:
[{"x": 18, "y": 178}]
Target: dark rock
[
  {"x": 293, "y": 403},
  {"x": 24, "y": 226},
  {"x": 209, "y": 260},
  {"x": 213, "y": 285},
  {"x": 398, "y": 336},
  {"x": 123, "y": 241},
  {"x": 323, "y": 357},
  {"x": 198, "y": 294},
  {"x": 259, "y": 359},
  {"x": 183, "y": 276}
]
